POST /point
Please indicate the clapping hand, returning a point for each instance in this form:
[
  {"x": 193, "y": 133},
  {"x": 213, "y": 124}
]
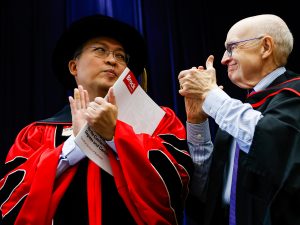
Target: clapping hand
[
  {"x": 195, "y": 83},
  {"x": 78, "y": 105},
  {"x": 102, "y": 115}
]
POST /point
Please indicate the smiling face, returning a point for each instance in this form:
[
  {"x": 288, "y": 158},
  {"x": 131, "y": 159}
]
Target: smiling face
[
  {"x": 245, "y": 60},
  {"x": 95, "y": 70},
  {"x": 256, "y": 46}
]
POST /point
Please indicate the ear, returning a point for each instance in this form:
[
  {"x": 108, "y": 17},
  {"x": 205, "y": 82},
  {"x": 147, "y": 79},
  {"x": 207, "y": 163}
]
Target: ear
[
  {"x": 267, "y": 46},
  {"x": 73, "y": 67}
]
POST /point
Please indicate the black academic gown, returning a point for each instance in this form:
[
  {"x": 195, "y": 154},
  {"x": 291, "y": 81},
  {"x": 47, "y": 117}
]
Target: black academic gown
[{"x": 268, "y": 182}]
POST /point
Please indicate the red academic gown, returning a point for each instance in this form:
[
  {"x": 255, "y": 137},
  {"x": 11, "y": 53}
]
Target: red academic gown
[{"x": 149, "y": 186}]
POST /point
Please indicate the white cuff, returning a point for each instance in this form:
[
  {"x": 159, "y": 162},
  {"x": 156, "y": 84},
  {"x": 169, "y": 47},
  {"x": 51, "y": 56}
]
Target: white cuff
[{"x": 71, "y": 151}]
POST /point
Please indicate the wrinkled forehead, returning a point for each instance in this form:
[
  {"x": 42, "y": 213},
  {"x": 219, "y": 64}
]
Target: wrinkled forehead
[{"x": 241, "y": 30}]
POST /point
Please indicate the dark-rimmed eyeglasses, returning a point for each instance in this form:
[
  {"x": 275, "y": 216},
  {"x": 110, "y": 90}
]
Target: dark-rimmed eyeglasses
[
  {"x": 119, "y": 55},
  {"x": 232, "y": 45}
]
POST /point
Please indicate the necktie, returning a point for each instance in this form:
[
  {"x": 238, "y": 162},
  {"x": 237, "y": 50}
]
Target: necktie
[{"x": 232, "y": 217}]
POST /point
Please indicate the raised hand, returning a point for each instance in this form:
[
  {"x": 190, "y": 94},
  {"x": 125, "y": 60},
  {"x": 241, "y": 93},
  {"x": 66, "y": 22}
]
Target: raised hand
[
  {"x": 197, "y": 82},
  {"x": 78, "y": 106},
  {"x": 102, "y": 115}
]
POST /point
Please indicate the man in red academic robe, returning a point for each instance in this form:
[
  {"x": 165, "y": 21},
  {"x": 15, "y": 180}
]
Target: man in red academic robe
[{"x": 48, "y": 179}]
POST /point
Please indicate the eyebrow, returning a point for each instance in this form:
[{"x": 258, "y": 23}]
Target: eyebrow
[
  {"x": 230, "y": 42},
  {"x": 226, "y": 43}
]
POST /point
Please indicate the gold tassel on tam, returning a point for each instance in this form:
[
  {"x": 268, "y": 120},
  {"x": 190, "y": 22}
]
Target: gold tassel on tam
[{"x": 144, "y": 80}]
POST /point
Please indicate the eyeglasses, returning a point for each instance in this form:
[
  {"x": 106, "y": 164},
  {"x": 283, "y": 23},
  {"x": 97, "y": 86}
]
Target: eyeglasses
[
  {"x": 119, "y": 55},
  {"x": 231, "y": 46}
]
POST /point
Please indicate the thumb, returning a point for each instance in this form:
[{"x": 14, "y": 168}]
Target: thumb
[
  {"x": 210, "y": 62},
  {"x": 111, "y": 97}
]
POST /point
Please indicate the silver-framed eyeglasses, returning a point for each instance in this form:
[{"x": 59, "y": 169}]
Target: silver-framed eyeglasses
[
  {"x": 119, "y": 55},
  {"x": 232, "y": 45}
]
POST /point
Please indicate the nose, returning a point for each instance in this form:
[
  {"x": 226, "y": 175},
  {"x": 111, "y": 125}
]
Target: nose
[
  {"x": 225, "y": 59},
  {"x": 110, "y": 56}
]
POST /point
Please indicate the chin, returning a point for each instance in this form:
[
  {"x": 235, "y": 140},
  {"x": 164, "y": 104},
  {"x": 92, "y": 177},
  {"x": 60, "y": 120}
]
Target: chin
[
  {"x": 232, "y": 78},
  {"x": 235, "y": 81},
  {"x": 108, "y": 83}
]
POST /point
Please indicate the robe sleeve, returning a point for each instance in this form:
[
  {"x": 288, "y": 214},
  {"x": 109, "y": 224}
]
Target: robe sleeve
[
  {"x": 152, "y": 173},
  {"x": 30, "y": 170},
  {"x": 275, "y": 143},
  {"x": 272, "y": 167}
]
